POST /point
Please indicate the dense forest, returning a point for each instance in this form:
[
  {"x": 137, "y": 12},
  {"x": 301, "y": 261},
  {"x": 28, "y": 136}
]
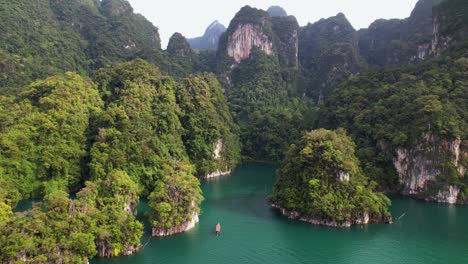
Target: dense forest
[
  {"x": 126, "y": 132},
  {"x": 95, "y": 115},
  {"x": 321, "y": 178}
]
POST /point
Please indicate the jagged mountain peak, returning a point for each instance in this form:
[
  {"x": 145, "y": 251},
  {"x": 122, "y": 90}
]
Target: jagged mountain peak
[
  {"x": 177, "y": 42},
  {"x": 277, "y": 11},
  {"x": 215, "y": 25},
  {"x": 209, "y": 41}
]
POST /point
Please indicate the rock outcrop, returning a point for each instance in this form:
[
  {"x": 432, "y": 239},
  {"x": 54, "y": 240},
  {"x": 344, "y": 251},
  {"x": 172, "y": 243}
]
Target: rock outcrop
[
  {"x": 244, "y": 39},
  {"x": 364, "y": 219},
  {"x": 106, "y": 250},
  {"x": 397, "y": 42},
  {"x": 250, "y": 29},
  {"x": 217, "y": 154},
  {"x": 162, "y": 232},
  {"x": 424, "y": 169},
  {"x": 320, "y": 182},
  {"x": 450, "y": 26}
]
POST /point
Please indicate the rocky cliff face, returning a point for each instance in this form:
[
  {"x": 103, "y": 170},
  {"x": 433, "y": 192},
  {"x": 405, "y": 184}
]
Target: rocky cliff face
[
  {"x": 217, "y": 154},
  {"x": 363, "y": 219},
  {"x": 450, "y": 26},
  {"x": 106, "y": 250},
  {"x": 162, "y": 232},
  {"x": 250, "y": 29},
  {"x": 244, "y": 39},
  {"x": 422, "y": 172},
  {"x": 210, "y": 40}
]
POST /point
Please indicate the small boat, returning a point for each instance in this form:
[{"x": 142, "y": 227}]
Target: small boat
[{"x": 218, "y": 229}]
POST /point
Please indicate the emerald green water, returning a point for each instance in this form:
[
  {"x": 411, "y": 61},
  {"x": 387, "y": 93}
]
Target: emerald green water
[{"x": 254, "y": 233}]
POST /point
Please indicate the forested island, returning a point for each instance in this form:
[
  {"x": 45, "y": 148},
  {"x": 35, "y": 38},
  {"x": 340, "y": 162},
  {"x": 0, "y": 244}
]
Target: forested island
[
  {"x": 95, "y": 115},
  {"x": 321, "y": 182}
]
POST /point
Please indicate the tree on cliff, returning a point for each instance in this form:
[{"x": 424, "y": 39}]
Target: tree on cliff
[
  {"x": 390, "y": 109},
  {"x": 208, "y": 125},
  {"x": 321, "y": 178}
]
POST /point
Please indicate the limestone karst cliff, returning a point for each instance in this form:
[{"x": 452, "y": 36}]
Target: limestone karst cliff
[
  {"x": 320, "y": 182},
  {"x": 431, "y": 168},
  {"x": 450, "y": 26},
  {"x": 250, "y": 28}
]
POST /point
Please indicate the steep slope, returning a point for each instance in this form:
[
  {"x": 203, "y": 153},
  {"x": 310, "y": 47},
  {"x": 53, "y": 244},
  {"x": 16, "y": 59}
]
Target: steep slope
[
  {"x": 180, "y": 58},
  {"x": 210, "y": 135},
  {"x": 286, "y": 30},
  {"x": 320, "y": 182},
  {"x": 257, "y": 60},
  {"x": 450, "y": 27},
  {"x": 410, "y": 126},
  {"x": 399, "y": 41},
  {"x": 209, "y": 40},
  {"x": 250, "y": 29},
  {"x": 328, "y": 54},
  {"x": 54, "y": 36}
]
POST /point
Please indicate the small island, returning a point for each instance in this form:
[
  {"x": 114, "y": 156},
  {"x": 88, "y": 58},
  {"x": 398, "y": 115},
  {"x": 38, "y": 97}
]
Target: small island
[{"x": 320, "y": 182}]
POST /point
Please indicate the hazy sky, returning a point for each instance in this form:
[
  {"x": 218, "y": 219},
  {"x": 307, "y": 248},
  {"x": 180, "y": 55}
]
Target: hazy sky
[{"x": 191, "y": 17}]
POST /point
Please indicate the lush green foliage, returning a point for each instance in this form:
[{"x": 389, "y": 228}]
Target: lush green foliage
[
  {"x": 43, "y": 135},
  {"x": 207, "y": 124},
  {"x": 452, "y": 21},
  {"x": 71, "y": 231},
  {"x": 140, "y": 132},
  {"x": 123, "y": 137},
  {"x": 175, "y": 198},
  {"x": 46, "y": 37},
  {"x": 309, "y": 180},
  {"x": 139, "y": 129},
  {"x": 398, "y": 41},
  {"x": 268, "y": 118},
  {"x": 328, "y": 55},
  {"x": 393, "y": 108}
]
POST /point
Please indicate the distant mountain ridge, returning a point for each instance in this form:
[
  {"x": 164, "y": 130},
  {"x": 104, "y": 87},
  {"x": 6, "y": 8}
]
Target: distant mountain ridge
[{"x": 209, "y": 40}]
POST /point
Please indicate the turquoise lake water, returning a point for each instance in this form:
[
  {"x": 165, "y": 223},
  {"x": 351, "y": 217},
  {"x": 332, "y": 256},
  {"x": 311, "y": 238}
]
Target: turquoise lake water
[{"x": 252, "y": 232}]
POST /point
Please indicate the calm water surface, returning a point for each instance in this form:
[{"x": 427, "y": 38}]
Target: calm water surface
[{"x": 252, "y": 232}]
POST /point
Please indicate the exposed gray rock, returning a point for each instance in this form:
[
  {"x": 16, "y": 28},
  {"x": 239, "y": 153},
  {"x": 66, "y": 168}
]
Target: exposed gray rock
[
  {"x": 364, "y": 219},
  {"x": 244, "y": 39},
  {"x": 162, "y": 232},
  {"x": 419, "y": 167}
]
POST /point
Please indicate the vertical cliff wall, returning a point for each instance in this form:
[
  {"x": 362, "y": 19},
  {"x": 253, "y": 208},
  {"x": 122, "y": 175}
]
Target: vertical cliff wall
[
  {"x": 433, "y": 169},
  {"x": 450, "y": 26},
  {"x": 245, "y": 38}
]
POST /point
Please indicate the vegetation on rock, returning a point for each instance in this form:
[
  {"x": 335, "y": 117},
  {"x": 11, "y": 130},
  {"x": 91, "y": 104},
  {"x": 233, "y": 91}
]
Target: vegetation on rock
[
  {"x": 321, "y": 178},
  {"x": 207, "y": 125}
]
